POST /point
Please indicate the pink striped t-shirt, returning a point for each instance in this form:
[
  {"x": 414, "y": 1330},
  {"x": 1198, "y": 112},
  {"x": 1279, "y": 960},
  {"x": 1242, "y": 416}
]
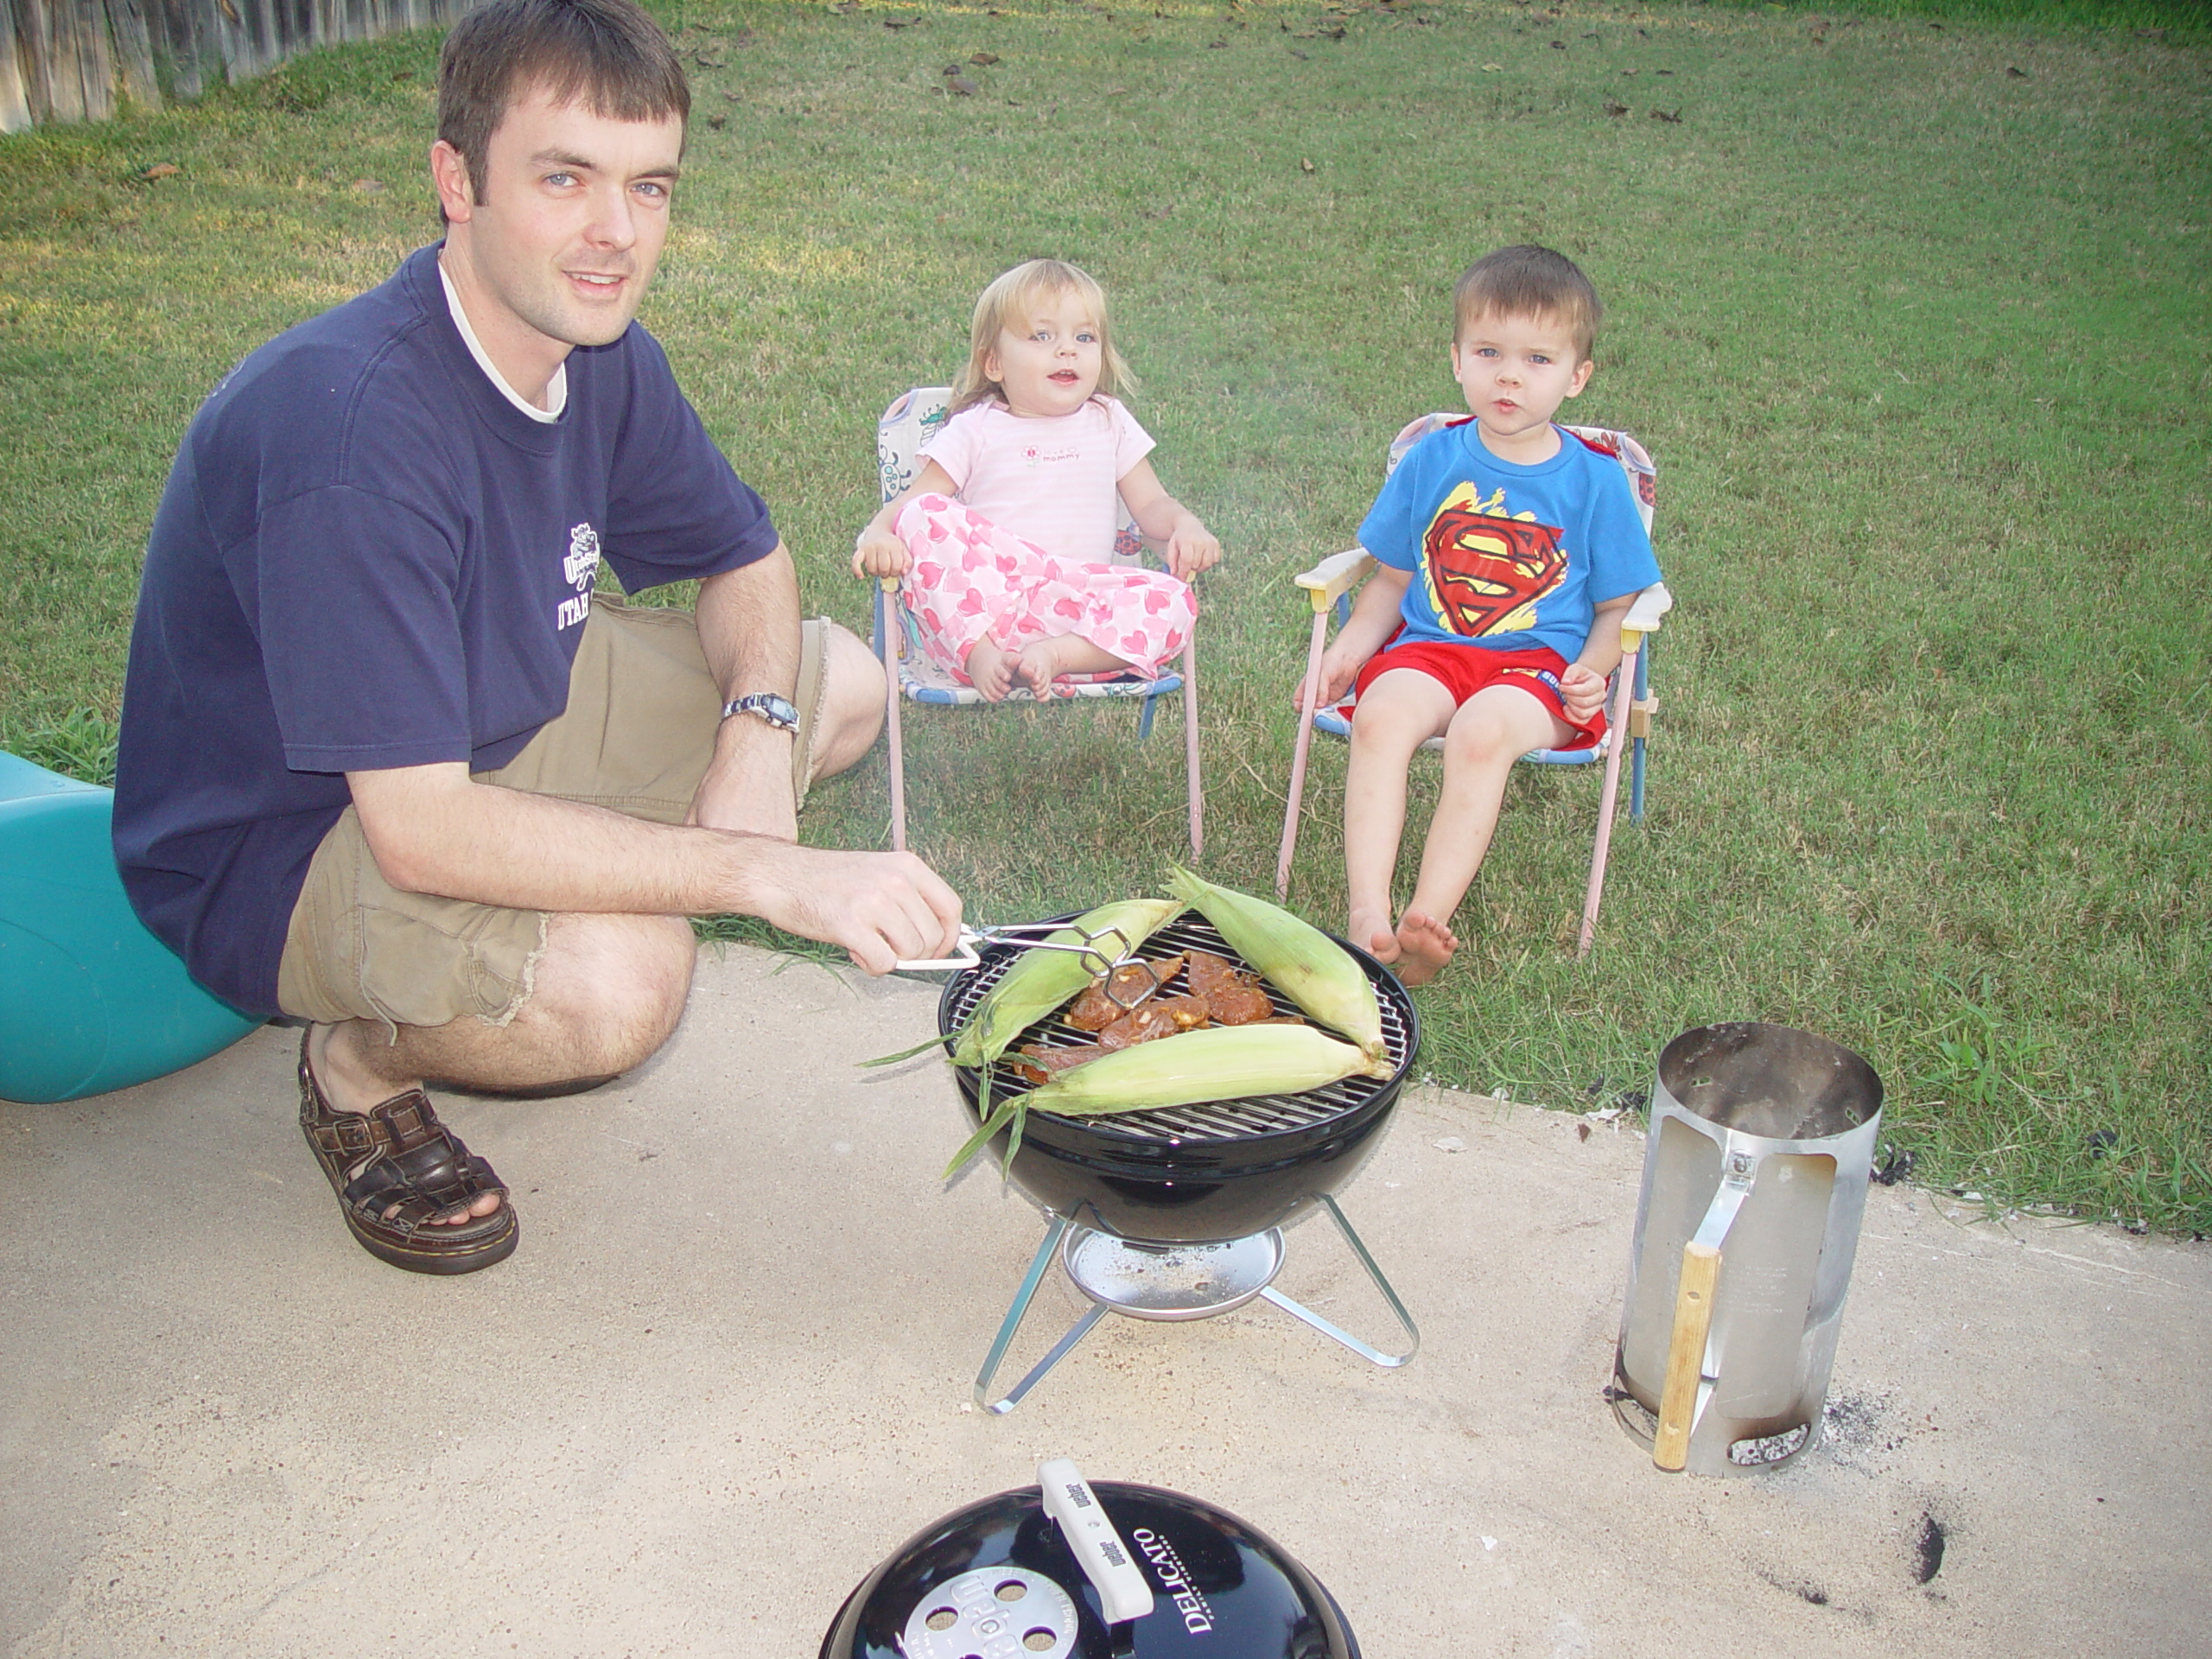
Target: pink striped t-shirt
[{"x": 1053, "y": 480}]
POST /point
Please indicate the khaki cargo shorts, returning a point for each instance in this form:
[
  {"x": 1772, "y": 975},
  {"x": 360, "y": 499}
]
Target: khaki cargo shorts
[{"x": 636, "y": 737}]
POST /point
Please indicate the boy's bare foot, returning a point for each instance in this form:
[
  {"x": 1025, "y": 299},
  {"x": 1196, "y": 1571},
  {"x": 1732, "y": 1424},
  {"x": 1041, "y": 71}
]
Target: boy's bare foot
[
  {"x": 990, "y": 669},
  {"x": 1371, "y": 929},
  {"x": 1424, "y": 946}
]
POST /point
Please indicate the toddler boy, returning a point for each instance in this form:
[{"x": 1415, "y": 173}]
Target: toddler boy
[{"x": 1509, "y": 552}]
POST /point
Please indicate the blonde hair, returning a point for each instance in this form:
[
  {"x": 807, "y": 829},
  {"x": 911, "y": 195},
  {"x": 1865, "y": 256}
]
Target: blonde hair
[
  {"x": 1010, "y": 298},
  {"x": 1529, "y": 281}
]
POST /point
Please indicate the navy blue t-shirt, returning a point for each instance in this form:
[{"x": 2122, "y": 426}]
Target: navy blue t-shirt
[{"x": 367, "y": 557}]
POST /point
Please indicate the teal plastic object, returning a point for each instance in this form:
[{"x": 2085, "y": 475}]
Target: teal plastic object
[{"x": 89, "y": 999}]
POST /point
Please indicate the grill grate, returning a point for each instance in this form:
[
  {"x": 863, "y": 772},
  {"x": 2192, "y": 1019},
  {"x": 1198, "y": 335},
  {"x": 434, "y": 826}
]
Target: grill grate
[{"x": 1222, "y": 1120}]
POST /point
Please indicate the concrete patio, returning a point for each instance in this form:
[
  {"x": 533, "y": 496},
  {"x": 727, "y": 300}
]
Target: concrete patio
[{"x": 728, "y": 1369}]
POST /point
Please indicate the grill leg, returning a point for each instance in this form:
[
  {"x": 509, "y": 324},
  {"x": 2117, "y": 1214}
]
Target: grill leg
[
  {"x": 1398, "y": 1307},
  {"x": 1054, "y": 1229}
]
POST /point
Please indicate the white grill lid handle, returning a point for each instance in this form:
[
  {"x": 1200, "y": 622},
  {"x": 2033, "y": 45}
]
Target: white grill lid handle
[{"x": 1122, "y": 1592}]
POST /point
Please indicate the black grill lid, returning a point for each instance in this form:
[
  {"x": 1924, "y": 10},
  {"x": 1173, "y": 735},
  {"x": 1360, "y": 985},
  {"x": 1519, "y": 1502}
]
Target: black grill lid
[{"x": 1221, "y": 1588}]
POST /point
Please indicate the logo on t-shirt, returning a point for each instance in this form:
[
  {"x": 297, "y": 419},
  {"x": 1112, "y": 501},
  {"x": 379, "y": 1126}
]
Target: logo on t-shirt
[
  {"x": 581, "y": 569},
  {"x": 1486, "y": 571},
  {"x": 1043, "y": 455}
]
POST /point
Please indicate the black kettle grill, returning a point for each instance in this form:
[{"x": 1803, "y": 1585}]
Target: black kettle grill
[
  {"x": 1178, "y": 1213},
  {"x": 1067, "y": 1570}
]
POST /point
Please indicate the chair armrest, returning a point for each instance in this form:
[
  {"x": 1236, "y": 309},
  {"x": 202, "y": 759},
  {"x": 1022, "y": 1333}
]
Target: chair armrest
[
  {"x": 1335, "y": 575},
  {"x": 1651, "y": 604}
]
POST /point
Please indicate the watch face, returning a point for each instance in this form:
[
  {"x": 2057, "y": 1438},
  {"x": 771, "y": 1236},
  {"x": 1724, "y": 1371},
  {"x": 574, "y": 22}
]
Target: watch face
[{"x": 774, "y": 709}]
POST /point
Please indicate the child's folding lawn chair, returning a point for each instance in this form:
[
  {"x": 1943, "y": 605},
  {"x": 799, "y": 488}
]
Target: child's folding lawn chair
[
  {"x": 913, "y": 417},
  {"x": 1629, "y": 704}
]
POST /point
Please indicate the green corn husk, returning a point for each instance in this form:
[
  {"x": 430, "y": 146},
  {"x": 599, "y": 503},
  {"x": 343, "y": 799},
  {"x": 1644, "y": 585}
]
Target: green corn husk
[
  {"x": 1214, "y": 1063},
  {"x": 1308, "y": 966},
  {"x": 1031, "y": 989},
  {"x": 1042, "y": 980}
]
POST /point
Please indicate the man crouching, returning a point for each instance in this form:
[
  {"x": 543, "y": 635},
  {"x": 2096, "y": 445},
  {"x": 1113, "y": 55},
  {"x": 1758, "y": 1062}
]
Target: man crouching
[{"x": 389, "y": 766}]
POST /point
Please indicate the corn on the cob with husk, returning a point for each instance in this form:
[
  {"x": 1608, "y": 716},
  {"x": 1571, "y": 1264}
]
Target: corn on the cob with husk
[
  {"x": 1039, "y": 982},
  {"x": 1042, "y": 980},
  {"x": 1215, "y": 1063},
  {"x": 1304, "y": 964}
]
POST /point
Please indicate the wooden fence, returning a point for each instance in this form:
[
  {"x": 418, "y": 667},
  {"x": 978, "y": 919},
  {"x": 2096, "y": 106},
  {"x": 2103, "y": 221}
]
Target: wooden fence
[{"x": 77, "y": 60}]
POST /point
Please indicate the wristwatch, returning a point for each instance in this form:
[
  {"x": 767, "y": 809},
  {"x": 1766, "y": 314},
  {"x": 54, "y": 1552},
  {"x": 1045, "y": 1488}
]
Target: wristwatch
[{"x": 777, "y": 711}]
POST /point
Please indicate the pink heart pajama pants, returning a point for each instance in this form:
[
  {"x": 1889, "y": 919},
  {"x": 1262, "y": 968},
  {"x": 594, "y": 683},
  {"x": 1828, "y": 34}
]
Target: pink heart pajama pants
[{"x": 967, "y": 579}]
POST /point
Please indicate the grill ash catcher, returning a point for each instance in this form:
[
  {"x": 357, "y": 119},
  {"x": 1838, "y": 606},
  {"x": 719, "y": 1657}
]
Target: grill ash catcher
[
  {"x": 1178, "y": 1214},
  {"x": 1067, "y": 1570}
]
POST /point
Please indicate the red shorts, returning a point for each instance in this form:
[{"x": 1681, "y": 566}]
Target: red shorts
[{"x": 1465, "y": 670}]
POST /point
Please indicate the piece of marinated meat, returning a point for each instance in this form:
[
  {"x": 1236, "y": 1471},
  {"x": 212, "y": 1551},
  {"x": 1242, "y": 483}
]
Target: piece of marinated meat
[
  {"x": 1037, "y": 1065},
  {"x": 1133, "y": 986},
  {"x": 1152, "y": 1020},
  {"x": 1235, "y": 996}
]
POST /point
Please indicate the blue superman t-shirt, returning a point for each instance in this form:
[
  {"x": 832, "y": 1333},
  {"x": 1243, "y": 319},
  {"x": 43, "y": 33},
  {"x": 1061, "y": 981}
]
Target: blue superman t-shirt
[
  {"x": 366, "y": 557},
  {"x": 1506, "y": 556}
]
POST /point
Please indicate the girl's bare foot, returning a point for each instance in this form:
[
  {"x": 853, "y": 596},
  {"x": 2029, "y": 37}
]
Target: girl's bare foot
[
  {"x": 1371, "y": 929},
  {"x": 991, "y": 669},
  {"x": 1424, "y": 946},
  {"x": 1043, "y": 661}
]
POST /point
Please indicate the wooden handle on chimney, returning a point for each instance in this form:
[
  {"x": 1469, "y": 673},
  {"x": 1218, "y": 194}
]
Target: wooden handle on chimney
[{"x": 1670, "y": 1446}]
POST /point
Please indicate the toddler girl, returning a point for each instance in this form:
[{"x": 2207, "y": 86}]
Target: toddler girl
[{"x": 1003, "y": 542}]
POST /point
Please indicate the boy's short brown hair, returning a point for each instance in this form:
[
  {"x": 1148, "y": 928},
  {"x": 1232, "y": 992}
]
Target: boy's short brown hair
[
  {"x": 608, "y": 54},
  {"x": 1528, "y": 281}
]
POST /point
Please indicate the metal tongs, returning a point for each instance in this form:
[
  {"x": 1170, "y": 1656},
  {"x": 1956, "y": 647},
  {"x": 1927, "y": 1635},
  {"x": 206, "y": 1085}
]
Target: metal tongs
[{"x": 1092, "y": 946}]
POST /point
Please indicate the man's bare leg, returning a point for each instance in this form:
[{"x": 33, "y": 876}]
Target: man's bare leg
[
  {"x": 852, "y": 711},
  {"x": 1491, "y": 731},
  {"x": 608, "y": 991},
  {"x": 1402, "y": 710}
]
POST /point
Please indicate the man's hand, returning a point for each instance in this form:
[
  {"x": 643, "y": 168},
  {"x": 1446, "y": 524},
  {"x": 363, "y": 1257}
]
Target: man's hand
[
  {"x": 884, "y": 908},
  {"x": 435, "y": 830},
  {"x": 1582, "y": 690}
]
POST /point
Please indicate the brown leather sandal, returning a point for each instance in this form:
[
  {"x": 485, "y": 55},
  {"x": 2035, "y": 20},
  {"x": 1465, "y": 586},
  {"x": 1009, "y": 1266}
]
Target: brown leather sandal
[{"x": 396, "y": 1169}]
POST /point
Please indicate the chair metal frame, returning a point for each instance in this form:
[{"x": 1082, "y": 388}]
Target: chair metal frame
[
  {"x": 913, "y": 418},
  {"x": 1632, "y": 706}
]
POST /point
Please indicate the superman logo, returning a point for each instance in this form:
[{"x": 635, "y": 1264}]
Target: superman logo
[{"x": 1485, "y": 571}]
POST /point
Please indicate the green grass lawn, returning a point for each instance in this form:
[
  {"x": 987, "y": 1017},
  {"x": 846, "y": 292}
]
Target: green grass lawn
[{"x": 1914, "y": 318}]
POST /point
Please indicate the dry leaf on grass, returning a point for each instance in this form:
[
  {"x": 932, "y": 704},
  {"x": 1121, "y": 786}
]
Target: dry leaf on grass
[
  {"x": 984, "y": 60},
  {"x": 1305, "y": 166},
  {"x": 961, "y": 86},
  {"x": 1664, "y": 115},
  {"x": 160, "y": 170},
  {"x": 1612, "y": 108}
]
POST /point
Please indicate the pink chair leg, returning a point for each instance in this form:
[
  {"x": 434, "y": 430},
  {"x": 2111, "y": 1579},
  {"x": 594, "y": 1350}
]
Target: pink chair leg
[
  {"x": 1191, "y": 744},
  {"x": 1309, "y": 697},
  {"x": 887, "y": 606},
  {"x": 1625, "y": 681}
]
